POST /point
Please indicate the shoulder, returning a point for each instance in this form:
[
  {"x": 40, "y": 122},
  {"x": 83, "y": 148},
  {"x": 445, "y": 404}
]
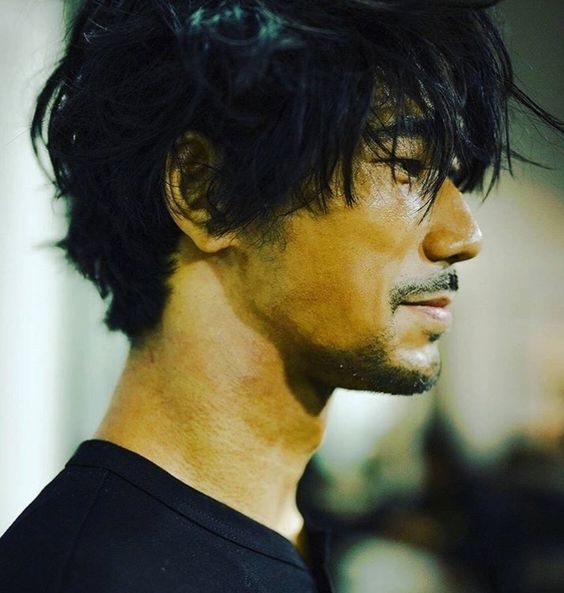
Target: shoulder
[
  {"x": 90, "y": 531},
  {"x": 33, "y": 551}
]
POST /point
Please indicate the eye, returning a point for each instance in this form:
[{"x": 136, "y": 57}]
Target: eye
[{"x": 413, "y": 167}]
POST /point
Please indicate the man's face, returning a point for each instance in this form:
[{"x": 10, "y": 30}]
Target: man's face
[{"x": 358, "y": 297}]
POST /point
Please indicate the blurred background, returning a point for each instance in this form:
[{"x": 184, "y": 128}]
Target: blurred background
[{"x": 457, "y": 490}]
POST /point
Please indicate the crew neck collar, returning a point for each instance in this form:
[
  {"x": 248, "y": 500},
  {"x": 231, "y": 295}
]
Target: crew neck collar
[{"x": 200, "y": 508}]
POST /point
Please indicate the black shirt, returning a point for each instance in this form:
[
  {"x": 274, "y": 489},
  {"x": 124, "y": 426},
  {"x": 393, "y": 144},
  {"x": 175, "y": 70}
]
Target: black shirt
[{"x": 114, "y": 522}]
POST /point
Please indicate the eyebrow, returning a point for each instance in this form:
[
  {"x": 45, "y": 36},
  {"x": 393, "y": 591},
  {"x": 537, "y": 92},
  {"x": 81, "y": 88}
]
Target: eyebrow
[{"x": 408, "y": 127}]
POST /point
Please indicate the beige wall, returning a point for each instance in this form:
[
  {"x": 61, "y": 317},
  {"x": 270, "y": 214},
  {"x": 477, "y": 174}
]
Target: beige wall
[
  {"x": 57, "y": 364},
  {"x": 504, "y": 360}
]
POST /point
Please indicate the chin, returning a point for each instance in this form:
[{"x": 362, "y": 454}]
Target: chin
[
  {"x": 392, "y": 379},
  {"x": 408, "y": 372},
  {"x": 409, "y": 383},
  {"x": 374, "y": 368}
]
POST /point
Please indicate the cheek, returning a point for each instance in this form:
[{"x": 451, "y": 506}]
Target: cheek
[
  {"x": 369, "y": 278},
  {"x": 335, "y": 298},
  {"x": 331, "y": 284}
]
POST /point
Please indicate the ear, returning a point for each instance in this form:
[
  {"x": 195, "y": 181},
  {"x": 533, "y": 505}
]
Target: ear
[{"x": 186, "y": 173}]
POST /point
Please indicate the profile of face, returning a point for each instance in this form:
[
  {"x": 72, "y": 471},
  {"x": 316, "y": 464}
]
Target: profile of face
[{"x": 357, "y": 297}]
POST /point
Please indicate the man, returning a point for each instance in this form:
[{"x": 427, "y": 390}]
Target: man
[{"x": 271, "y": 193}]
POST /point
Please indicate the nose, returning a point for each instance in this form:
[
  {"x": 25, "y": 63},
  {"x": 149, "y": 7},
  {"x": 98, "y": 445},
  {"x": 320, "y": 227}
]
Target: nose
[{"x": 453, "y": 233}]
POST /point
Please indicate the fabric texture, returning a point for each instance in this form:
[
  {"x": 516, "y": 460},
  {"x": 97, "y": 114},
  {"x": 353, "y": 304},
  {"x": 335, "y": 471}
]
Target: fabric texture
[{"x": 114, "y": 522}]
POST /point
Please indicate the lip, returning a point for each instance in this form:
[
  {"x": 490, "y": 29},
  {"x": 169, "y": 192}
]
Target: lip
[
  {"x": 434, "y": 309},
  {"x": 439, "y": 301}
]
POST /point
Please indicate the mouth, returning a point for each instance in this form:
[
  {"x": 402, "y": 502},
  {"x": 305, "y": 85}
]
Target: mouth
[{"x": 435, "y": 310}]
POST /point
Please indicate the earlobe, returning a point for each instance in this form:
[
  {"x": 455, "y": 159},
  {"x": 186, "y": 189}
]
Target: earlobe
[{"x": 185, "y": 178}]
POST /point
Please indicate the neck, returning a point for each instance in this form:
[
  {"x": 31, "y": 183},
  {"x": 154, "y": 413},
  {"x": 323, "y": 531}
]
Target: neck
[{"x": 209, "y": 400}]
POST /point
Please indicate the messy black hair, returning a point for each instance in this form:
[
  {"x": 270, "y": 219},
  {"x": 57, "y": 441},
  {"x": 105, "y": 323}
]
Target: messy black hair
[{"x": 285, "y": 90}]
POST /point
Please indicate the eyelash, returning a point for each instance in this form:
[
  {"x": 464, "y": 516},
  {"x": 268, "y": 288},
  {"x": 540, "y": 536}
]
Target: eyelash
[{"x": 413, "y": 167}]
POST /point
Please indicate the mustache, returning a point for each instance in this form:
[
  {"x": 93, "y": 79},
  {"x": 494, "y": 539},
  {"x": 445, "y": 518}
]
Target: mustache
[{"x": 446, "y": 280}]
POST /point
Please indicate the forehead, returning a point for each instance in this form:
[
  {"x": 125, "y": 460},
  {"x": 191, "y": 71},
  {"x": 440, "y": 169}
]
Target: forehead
[
  {"x": 388, "y": 111},
  {"x": 406, "y": 128},
  {"x": 404, "y": 124},
  {"x": 407, "y": 138}
]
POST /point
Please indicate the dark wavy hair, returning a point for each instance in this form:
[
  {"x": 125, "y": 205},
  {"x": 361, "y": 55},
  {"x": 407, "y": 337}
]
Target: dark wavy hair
[{"x": 285, "y": 90}]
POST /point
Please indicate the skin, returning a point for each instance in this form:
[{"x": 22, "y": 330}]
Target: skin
[{"x": 230, "y": 393}]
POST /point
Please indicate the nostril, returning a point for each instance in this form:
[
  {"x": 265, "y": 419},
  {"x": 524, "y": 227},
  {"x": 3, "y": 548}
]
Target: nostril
[
  {"x": 447, "y": 245},
  {"x": 454, "y": 234}
]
